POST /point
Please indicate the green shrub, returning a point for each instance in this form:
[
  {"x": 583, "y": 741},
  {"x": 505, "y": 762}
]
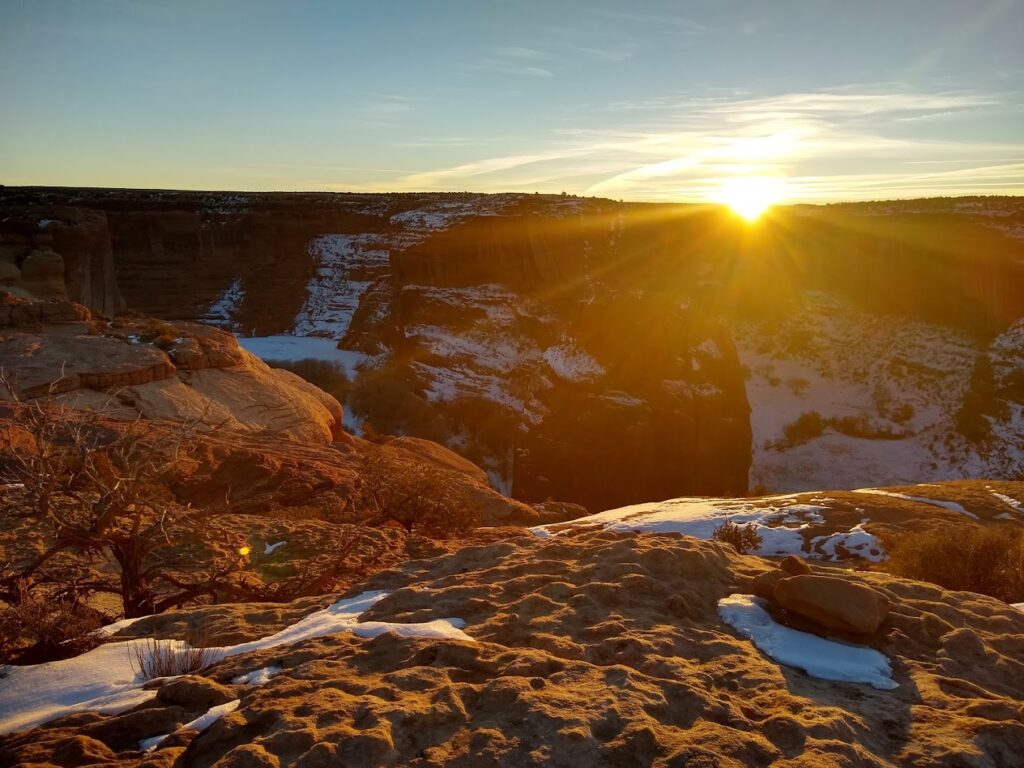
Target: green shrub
[
  {"x": 387, "y": 401},
  {"x": 804, "y": 428},
  {"x": 743, "y": 538},
  {"x": 984, "y": 559}
]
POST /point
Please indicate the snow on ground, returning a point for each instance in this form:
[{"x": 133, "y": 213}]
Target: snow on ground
[
  {"x": 222, "y": 312},
  {"x": 117, "y": 626},
  {"x": 200, "y": 724},
  {"x": 571, "y": 363},
  {"x": 891, "y": 374},
  {"x": 257, "y": 676},
  {"x": 784, "y": 526},
  {"x": 818, "y": 657},
  {"x": 1009, "y": 501},
  {"x": 484, "y": 352},
  {"x": 952, "y": 506},
  {"x": 346, "y": 266},
  {"x": 288, "y": 348},
  {"x": 105, "y": 680},
  {"x": 436, "y": 214}
]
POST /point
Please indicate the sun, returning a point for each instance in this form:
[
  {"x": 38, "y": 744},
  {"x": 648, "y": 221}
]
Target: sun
[{"x": 750, "y": 196}]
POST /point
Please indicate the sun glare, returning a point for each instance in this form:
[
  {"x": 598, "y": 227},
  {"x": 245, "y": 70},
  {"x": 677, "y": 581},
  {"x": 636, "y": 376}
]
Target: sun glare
[{"x": 750, "y": 197}]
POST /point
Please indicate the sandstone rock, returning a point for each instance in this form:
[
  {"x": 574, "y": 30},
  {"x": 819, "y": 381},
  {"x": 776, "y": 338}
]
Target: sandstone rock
[
  {"x": 9, "y": 273},
  {"x": 68, "y": 357},
  {"x": 795, "y": 566},
  {"x": 834, "y": 603},
  {"x": 433, "y": 453},
  {"x": 42, "y": 274},
  {"x": 559, "y": 511},
  {"x": 13, "y": 253},
  {"x": 123, "y": 731},
  {"x": 763, "y": 585},
  {"x": 261, "y": 399},
  {"x": 194, "y": 692}
]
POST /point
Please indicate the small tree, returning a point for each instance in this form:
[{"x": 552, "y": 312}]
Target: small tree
[
  {"x": 97, "y": 491},
  {"x": 418, "y": 497}
]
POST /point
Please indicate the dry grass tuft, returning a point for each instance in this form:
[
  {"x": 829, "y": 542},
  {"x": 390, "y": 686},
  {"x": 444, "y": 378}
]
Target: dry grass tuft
[
  {"x": 152, "y": 658},
  {"x": 988, "y": 560}
]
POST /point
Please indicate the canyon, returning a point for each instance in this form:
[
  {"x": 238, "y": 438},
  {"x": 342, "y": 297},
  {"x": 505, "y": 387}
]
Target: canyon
[{"x": 592, "y": 351}]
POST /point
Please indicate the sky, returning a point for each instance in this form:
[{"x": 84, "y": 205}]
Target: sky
[{"x": 819, "y": 101}]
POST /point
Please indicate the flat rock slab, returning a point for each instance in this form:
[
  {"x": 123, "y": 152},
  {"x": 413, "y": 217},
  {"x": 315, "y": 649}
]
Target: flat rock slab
[{"x": 70, "y": 358}]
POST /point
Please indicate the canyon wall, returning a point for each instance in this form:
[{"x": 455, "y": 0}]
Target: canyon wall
[{"x": 583, "y": 349}]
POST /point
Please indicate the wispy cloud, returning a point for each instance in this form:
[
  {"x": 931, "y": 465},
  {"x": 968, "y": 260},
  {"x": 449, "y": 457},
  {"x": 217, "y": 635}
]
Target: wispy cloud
[
  {"x": 832, "y": 144},
  {"x": 387, "y": 110},
  {"x": 678, "y": 23},
  {"x": 516, "y": 52},
  {"x": 617, "y": 52},
  {"x": 516, "y": 60}
]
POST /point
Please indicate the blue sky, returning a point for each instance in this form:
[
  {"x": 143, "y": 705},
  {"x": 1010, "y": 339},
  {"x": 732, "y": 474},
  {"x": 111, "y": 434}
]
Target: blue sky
[{"x": 653, "y": 100}]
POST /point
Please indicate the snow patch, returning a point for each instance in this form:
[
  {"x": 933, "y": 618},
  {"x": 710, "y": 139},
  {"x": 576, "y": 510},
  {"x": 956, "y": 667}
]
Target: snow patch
[
  {"x": 952, "y": 506},
  {"x": 784, "y": 528},
  {"x": 257, "y": 676},
  {"x": 222, "y": 312},
  {"x": 818, "y": 657},
  {"x": 571, "y": 363},
  {"x": 286, "y": 348},
  {"x": 201, "y": 723},
  {"x": 104, "y": 679}
]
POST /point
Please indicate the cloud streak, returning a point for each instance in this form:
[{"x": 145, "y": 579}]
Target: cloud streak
[{"x": 841, "y": 143}]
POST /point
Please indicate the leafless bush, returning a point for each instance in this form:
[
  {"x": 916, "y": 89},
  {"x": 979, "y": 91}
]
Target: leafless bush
[
  {"x": 418, "y": 497},
  {"x": 359, "y": 555},
  {"x": 36, "y": 629}
]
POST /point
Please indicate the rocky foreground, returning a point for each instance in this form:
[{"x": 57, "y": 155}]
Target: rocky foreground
[{"x": 587, "y": 648}]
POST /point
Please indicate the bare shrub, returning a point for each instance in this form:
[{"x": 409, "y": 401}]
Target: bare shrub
[
  {"x": 743, "y": 538},
  {"x": 152, "y": 658},
  {"x": 427, "y": 500},
  {"x": 35, "y": 630},
  {"x": 984, "y": 559},
  {"x": 360, "y": 554}
]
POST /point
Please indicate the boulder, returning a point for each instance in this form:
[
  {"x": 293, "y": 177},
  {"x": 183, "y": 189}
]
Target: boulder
[
  {"x": 193, "y": 692},
  {"x": 763, "y": 585},
  {"x": 795, "y": 566},
  {"x": 833, "y": 603}
]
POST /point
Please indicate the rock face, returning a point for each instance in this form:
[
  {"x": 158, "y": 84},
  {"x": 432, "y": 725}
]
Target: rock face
[
  {"x": 183, "y": 373},
  {"x": 59, "y": 251},
  {"x": 512, "y": 316},
  {"x": 588, "y": 649},
  {"x": 835, "y": 603},
  {"x": 530, "y": 315}
]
